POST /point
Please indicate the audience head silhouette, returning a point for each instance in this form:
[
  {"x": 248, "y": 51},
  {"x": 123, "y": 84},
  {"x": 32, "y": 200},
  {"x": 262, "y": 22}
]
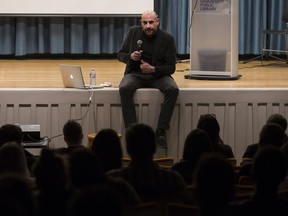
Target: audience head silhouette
[
  {"x": 85, "y": 168},
  {"x": 148, "y": 179},
  {"x": 214, "y": 181},
  {"x": 13, "y": 160},
  {"x": 73, "y": 134},
  {"x": 278, "y": 119},
  {"x": 209, "y": 123},
  {"x": 270, "y": 169},
  {"x": 50, "y": 171},
  {"x": 11, "y": 133},
  {"x": 140, "y": 142},
  {"x": 52, "y": 181},
  {"x": 196, "y": 143},
  {"x": 107, "y": 146},
  {"x": 271, "y": 134}
]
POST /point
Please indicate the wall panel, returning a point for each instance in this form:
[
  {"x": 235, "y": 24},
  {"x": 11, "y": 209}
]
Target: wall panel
[{"x": 241, "y": 112}]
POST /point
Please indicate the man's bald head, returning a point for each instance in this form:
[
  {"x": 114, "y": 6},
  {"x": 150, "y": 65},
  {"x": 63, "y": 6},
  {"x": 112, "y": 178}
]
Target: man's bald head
[{"x": 149, "y": 22}]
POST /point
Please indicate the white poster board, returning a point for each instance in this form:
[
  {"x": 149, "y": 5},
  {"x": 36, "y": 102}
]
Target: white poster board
[
  {"x": 214, "y": 39},
  {"x": 74, "y": 7}
]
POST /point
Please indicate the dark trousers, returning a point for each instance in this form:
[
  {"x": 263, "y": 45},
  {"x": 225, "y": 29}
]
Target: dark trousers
[{"x": 131, "y": 82}]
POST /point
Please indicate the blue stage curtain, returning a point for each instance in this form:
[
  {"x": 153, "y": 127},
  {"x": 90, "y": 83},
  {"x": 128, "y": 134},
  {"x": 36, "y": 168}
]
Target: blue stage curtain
[
  {"x": 256, "y": 16},
  {"x": 22, "y": 36},
  {"x": 275, "y": 22},
  {"x": 252, "y": 21}
]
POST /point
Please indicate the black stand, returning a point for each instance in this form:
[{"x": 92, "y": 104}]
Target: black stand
[
  {"x": 265, "y": 39},
  {"x": 266, "y": 49},
  {"x": 254, "y": 58},
  {"x": 210, "y": 77}
]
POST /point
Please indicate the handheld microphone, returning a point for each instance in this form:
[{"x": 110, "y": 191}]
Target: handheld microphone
[{"x": 139, "y": 44}]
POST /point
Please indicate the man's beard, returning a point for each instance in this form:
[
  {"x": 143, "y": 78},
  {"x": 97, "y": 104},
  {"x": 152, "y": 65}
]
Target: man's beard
[{"x": 150, "y": 32}]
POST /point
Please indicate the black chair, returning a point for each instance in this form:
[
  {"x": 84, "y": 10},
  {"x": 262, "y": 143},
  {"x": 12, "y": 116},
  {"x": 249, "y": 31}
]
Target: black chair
[
  {"x": 267, "y": 50},
  {"x": 268, "y": 33}
]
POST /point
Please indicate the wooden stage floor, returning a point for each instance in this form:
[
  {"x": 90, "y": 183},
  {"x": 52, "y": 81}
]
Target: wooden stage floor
[{"x": 44, "y": 73}]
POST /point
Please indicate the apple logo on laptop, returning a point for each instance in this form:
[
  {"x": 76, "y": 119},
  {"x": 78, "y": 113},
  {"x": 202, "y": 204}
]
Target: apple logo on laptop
[{"x": 71, "y": 76}]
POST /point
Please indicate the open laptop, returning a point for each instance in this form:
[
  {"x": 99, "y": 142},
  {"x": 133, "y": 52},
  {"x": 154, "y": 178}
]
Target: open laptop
[{"x": 73, "y": 78}]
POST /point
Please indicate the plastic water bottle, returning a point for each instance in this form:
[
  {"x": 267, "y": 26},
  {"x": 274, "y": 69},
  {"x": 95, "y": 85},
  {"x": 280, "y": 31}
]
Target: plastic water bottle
[{"x": 92, "y": 77}]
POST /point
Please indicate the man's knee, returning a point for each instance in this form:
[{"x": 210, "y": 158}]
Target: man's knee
[
  {"x": 172, "y": 91},
  {"x": 124, "y": 89},
  {"x": 175, "y": 90}
]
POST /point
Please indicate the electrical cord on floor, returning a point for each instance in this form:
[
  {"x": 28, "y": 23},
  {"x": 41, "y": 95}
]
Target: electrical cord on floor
[{"x": 49, "y": 139}]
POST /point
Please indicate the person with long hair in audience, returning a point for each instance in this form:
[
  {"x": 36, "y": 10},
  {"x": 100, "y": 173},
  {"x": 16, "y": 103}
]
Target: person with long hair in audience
[
  {"x": 13, "y": 160},
  {"x": 196, "y": 144},
  {"x": 13, "y": 133},
  {"x": 209, "y": 123},
  {"x": 52, "y": 180}
]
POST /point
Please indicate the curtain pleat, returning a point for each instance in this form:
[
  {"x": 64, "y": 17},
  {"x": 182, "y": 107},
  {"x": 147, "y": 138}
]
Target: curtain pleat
[{"x": 22, "y": 36}]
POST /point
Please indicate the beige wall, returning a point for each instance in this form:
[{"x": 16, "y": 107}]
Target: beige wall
[{"x": 240, "y": 112}]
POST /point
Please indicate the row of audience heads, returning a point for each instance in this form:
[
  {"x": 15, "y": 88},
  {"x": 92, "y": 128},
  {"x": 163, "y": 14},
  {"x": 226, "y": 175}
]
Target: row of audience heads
[
  {"x": 107, "y": 143},
  {"x": 270, "y": 164}
]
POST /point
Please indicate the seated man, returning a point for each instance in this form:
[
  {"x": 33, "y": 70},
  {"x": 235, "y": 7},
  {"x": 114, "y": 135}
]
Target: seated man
[
  {"x": 73, "y": 137},
  {"x": 274, "y": 118},
  {"x": 150, "y": 57},
  {"x": 147, "y": 178},
  {"x": 271, "y": 134}
]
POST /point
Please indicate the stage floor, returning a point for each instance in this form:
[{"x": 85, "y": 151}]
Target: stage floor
[{"x": 45, "y": 73}]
